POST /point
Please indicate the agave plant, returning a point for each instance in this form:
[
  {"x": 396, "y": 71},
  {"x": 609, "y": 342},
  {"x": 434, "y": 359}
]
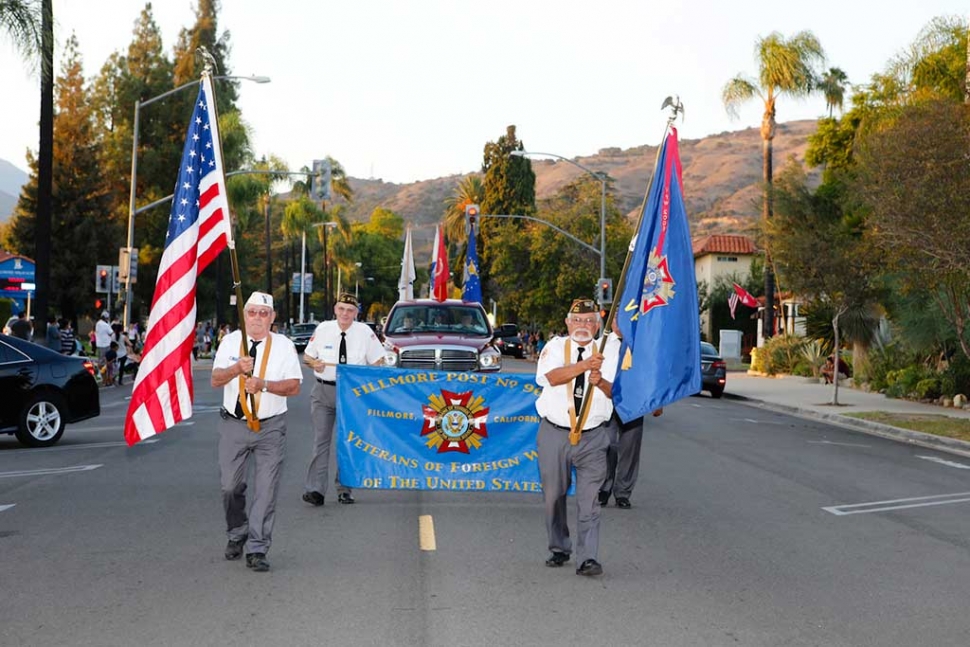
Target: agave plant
[{"x": 815, "y": 353}]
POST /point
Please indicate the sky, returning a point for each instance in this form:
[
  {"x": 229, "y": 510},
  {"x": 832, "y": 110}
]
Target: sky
[{"x": 409, "y": 91}]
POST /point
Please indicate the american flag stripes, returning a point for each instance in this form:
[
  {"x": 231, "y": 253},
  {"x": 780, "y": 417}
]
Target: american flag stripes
[
  {"x": 740, "y": 295},
  {"x": 198, "y": 230}
]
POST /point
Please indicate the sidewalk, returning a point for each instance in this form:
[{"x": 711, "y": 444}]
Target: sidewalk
[{"x": 807, "y": 398}]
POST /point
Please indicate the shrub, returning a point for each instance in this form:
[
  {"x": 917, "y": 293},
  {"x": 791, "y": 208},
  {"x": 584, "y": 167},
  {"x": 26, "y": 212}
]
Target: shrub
[
  {"x": 928, "y": 388},
  {"x": 885, "y": 359},
  {"x": 814, "y": 354},
  {"x": 782, "y": 353},
  {"x": 956, "y": 377}
]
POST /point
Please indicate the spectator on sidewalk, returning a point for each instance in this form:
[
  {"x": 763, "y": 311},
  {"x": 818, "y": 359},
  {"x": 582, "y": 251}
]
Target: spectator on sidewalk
[
  {"x": 21, "y": 327},
  {"x": 68, "y": 345},
  {"x": 829, "y": 368}
]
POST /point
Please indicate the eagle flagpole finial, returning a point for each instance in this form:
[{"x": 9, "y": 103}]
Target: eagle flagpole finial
[
  {"x": 675, "y": 106},
  {"x": 208, "y": 60}
]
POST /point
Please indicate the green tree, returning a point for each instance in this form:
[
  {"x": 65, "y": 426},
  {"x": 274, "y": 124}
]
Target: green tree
[
  {"x": 820, "y": 253},
  {"x": 84, "y": 234},
  {"x": 785, "y": 67},
  {"x": 509, "y": 188},
  {"x": 912, "y": 177},
  {"x": 188, "y": 65}
]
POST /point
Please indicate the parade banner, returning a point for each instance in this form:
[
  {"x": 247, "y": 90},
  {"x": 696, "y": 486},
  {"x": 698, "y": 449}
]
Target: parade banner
[{"x": 435, "y": 430}]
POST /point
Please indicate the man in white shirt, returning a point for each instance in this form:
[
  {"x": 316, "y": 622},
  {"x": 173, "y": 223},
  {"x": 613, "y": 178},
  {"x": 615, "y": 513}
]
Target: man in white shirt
[
  {"x": 103, "y": 335},
  {"x": 253, "y": 426},
  {"x": 567, "y": 367},
  {"x": 341, "y": 341}
]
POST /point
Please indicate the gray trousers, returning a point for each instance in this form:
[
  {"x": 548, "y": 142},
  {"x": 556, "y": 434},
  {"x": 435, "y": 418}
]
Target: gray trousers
[
  {"x": 237, "y": 445},
  {"x": 623, "y": 458},
  {"x": 323, "y": 415},
  {"x": 556, "y": 460}
]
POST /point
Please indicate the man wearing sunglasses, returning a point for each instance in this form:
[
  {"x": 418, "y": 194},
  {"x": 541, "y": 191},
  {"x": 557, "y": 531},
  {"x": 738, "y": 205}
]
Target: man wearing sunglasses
[
  {"x": 567, "y": 367},
  {"x": 341, "y": 341},
  {"x": 253, "y": 426}
]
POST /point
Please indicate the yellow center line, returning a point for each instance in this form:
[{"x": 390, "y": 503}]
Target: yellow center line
[{"x": 426, "y": 532}]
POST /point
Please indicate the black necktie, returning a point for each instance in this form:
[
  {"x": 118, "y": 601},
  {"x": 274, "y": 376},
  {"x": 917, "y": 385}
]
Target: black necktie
[
  {"x": 580, "y": 384},
  {"x": 252, "y": 353},
  {"x": 343, "y": 348}
]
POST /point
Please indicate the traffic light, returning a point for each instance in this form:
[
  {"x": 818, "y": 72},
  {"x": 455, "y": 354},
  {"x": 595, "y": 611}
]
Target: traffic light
[
  {"x": 102, "y": 279},
  {"x": 98, "y": 304},
  {"x": 471, "y": 213},
  {"x": 604, "y": 291},
  {"x": 321, "y": 179}
]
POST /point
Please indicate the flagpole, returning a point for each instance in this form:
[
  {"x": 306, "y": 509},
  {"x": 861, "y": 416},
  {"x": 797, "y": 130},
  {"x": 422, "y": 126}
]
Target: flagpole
[
  {"x": 677, "y": 108},
  {"x": 208, "y": 63}
]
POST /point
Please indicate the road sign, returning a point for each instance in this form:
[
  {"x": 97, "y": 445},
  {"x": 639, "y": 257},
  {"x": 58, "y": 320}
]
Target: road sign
[{"x": 307, "y": 284}]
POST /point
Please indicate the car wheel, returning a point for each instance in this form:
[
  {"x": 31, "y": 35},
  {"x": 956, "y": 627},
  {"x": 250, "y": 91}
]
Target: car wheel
[
  {"x": 42, "y": 420},
  {"x": 717, "y": 392}
]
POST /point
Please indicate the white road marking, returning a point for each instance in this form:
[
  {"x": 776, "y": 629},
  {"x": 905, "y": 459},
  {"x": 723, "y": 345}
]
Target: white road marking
[
  {"x": 898, "y": 504},
  {"x": 64, "y": 448},
  {"x": 54, "y": 470},
  {"x": 941, "y": 461},
  {"x": 426, "y": 532},
  {"x": 830, "y": 442},
  {"x": 120, "y": 428},
  {"x": 7, "y": 507}
]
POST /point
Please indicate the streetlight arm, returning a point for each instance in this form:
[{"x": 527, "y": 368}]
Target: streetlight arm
[
  {"x": 254, "y": 79},
  {"x": 544, "y": 222},
  {"x": 599, "y": 175}
]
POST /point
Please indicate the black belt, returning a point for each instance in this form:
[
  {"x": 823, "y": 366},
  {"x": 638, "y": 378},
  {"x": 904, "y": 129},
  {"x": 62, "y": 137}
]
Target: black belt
[
  {"x": 331, "y": 383},
  {"x": 226, "y": 415},
  {"x": 570, "y": 428}
]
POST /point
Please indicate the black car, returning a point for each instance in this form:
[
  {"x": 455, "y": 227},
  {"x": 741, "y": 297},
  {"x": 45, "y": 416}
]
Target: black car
[
  {"x": 713, "y": 370},
  {"x": 507, "y": 340},
  {"x": 300, "y": 335},
  {"x": 42, "y": 391}
]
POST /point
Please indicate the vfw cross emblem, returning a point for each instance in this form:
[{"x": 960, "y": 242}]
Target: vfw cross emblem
[{"x": 454, "y": 421}]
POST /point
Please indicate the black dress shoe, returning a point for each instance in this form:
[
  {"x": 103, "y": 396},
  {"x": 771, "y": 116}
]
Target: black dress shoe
[
  {"x": 557, "y": 559},
  {"x": 604, "y": 498},
  {"x": 257, "y": 562},
  {"x": 313, "y": 498},
  {"x": 590, "y": 567},
  {"x": 623, "y": 502},
  {"x": 234, "y": 549},
  {"x": 345, "y": 497}
]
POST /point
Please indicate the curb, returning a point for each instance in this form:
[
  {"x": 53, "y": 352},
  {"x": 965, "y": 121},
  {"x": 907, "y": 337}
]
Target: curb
[{"x": 908, "y": 436}]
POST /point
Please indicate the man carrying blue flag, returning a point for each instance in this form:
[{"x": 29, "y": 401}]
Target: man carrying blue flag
[
  {"x": 657, "y": 313},
  {"x": 568, "y": 366},
  {"x": 471, "y": 285}
]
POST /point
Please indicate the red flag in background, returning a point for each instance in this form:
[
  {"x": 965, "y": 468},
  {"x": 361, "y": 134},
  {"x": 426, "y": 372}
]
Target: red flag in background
[
  {"x": 198, "y": 229},
  {"x": 440, "y": 273},
  {"x": 742, "y": 295},
  {"x": 745, "y": 296}
]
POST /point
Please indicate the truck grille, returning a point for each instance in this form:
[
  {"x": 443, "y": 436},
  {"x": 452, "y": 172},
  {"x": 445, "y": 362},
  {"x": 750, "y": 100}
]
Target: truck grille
[{"x": 439, "y": 359}]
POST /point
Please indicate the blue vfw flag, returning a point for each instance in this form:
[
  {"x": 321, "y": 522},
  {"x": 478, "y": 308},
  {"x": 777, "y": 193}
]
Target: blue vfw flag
[
  {"x": 471, "y": 287},
  {"x": 657, "y": 313}
]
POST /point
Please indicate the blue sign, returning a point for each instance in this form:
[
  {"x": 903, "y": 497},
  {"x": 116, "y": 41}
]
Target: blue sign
[
  {"x": 434, "y": 430},
  {"x": 16, "y": 275}
]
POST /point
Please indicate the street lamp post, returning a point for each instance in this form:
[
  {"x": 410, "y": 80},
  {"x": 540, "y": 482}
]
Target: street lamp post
[
  {"x": 357, "y": 282},
  {"x": 599, "y": 175},
  {"x": 134, "y": 170}
]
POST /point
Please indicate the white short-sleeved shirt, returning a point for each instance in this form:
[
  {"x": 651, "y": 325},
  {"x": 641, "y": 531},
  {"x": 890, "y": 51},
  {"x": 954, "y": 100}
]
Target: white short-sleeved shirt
[
  {"x": 554, "y": 402},
  {"x": 283, "y": 364},
  {"x": 102, "y": 334},
  {"x": 363, "y": 347}
]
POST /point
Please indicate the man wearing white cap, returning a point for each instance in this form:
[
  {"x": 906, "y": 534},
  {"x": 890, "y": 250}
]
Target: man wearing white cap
[
  {"x": 341, "y": 341},
  {"x": 256, "y": 386}
]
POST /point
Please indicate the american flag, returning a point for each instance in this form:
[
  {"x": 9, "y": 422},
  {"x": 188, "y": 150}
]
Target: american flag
[
  {"x": 198, "y": 229},
  {"x": 740, "y": 295}
]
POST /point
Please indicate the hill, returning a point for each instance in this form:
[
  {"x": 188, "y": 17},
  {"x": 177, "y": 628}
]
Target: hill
[{"x": 722, "y": 180}]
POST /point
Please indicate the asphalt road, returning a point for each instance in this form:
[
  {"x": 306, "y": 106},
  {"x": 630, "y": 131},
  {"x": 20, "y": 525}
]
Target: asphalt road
[{"x": 735, "y": 538}]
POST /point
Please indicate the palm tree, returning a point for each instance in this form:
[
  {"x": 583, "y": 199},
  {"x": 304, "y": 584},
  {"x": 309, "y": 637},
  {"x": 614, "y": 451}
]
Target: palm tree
[
  {"x": 784, "y": 67},
  {"x": 469, "y": 190},
  {"x": 833, "y": 86},
  {"x": 21, "y": 20}
]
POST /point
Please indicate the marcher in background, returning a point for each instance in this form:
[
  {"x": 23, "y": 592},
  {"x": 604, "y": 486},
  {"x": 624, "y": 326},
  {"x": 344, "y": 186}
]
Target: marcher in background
[
  {"x": 270, "y": 373},
  {"x": 68, "y": 345},
  {"x": 121, "y": 339},
  {"x": 102, "y": 335},
  {"x": 341, "y": 341},
  {"x": 21, "y": 327},
  {"x": 623, "y": 457},
  {"x": 111, "y": 364},
  {"x": 567, "y": 367},
  {"x": 53, "y": 334}
]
